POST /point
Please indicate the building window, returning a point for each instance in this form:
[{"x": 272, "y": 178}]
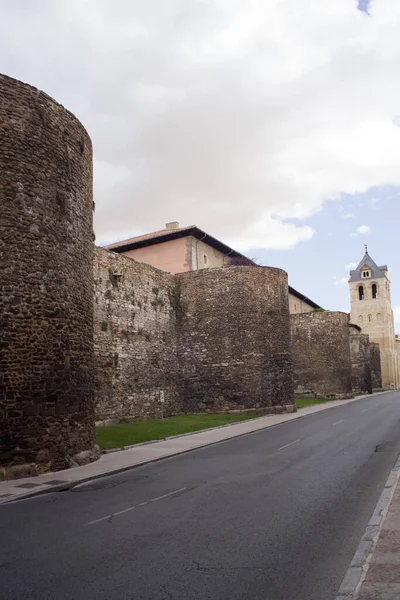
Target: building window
[
  {"x": 205, "y": 260},
  {"x": 379, "y": 317},
  {"x": 366, "y": 274},
  {"x": 374, "y": 291},
  {"x": 361, "y": 319},
  {"x": 361, "y": 292},
  {"x": 369, "y": 318}
]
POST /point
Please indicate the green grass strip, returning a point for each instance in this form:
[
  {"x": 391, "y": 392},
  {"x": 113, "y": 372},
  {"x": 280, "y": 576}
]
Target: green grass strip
[
  {"x": 126, "y": 434},
  {"x": 303, "y": 402}
]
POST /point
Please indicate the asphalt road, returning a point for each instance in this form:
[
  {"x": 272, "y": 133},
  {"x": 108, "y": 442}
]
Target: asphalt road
[{"x": 275, "y": 515}]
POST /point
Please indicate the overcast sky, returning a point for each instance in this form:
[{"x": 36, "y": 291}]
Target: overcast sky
[{"x": 271, "y": 124}]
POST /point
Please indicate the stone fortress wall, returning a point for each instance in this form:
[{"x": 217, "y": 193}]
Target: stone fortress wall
[
  {"x": 46, "y": 294},
  {"x": 234, "y": 340},
  {"x": 321, "y": 354},
  {"x": 376, "y": 368},
  {"x": 215, "y": 340},
  {"x": 135, "y": 339},
  {"x": 361, "y": 372},
  {"x": 87, "y": 333}
]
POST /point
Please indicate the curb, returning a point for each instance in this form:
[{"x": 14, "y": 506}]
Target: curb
[
  {"x": 71, "y": 484},
  {"x": 359, "y": 566}
]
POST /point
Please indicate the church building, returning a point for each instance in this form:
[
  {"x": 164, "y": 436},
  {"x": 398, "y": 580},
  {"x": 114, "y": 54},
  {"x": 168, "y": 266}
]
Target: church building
[{"x": 371, "y": 309}]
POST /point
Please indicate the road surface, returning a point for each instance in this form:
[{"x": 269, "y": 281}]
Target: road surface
[{"x": 274, "y": 515}]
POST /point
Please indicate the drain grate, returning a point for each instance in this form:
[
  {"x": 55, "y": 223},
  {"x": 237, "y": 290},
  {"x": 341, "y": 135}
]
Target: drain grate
[{"x": 28, "y": 486}]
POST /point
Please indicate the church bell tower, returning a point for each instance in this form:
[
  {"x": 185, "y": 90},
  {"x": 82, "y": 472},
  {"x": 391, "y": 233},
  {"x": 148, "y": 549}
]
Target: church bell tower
[{"x": 371, "y": 309}]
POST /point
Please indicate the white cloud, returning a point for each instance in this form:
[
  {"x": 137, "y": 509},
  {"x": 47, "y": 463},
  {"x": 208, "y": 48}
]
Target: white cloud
[
  {"x": 272, "y": 233},
  {"x": 239, "y": 116},
  {"x": 375, "y": 203},
  {"x": 348, "y": 216},
  {"x": 361, "y": 230},
  {"x": 350, "y": 266},
  {"x": 340, "y": 281}
]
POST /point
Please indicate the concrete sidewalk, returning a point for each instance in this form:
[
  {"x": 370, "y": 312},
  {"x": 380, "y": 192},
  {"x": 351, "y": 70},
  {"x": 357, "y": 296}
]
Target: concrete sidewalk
[
  {"x": 382, "y": 580},
  {"x": 140, "y": 454},
  {"x": 374, "y": 573}
]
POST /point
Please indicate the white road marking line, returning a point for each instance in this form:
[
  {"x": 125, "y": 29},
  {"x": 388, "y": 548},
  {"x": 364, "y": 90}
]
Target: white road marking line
[
  {"x": 121, "y": 512},
  {"x": 287, "y": 445},
  {"x": 370, "y": 408},
  {"x": 337, "y": 423},
  {"x": 166, "y": 495},
  {"x": 99, "y": 520}
]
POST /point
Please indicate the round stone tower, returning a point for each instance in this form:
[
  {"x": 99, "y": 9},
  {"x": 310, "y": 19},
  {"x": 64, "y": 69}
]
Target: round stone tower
[
  {"x": 46, "y": 292},
  {"x": 234, "y": 340},
  {"x": 321, "y": 354}
]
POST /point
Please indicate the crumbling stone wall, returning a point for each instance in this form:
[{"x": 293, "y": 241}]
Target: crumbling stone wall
[
  {"x": 376, "y": 369},
  {"x": 135, "y": 340},
  {"x": 46, "y": 294},
  {"x": 214, "y": 340},
  {"x": 360, "y": 363},
  {"x": 234, "y": 339},
  {"x": 321, "y": 354}
]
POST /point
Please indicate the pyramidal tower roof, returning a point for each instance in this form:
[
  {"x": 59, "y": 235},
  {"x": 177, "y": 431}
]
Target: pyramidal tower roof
[{"x": 367, "y": 261}]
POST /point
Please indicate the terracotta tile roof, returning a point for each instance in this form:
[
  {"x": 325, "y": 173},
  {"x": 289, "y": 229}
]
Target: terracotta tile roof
[{"x": 146, "y": 236}]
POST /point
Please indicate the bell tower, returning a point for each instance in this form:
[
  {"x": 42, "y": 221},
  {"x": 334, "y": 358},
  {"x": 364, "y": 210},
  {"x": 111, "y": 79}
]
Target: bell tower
[{"x": 371, "y": 309}]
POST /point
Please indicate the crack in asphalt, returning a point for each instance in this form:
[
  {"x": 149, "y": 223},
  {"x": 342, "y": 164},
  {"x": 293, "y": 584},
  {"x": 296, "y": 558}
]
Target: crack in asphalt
[
  {"x": 201, "y": 569},
  {"x": 384, "y": 447}
]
